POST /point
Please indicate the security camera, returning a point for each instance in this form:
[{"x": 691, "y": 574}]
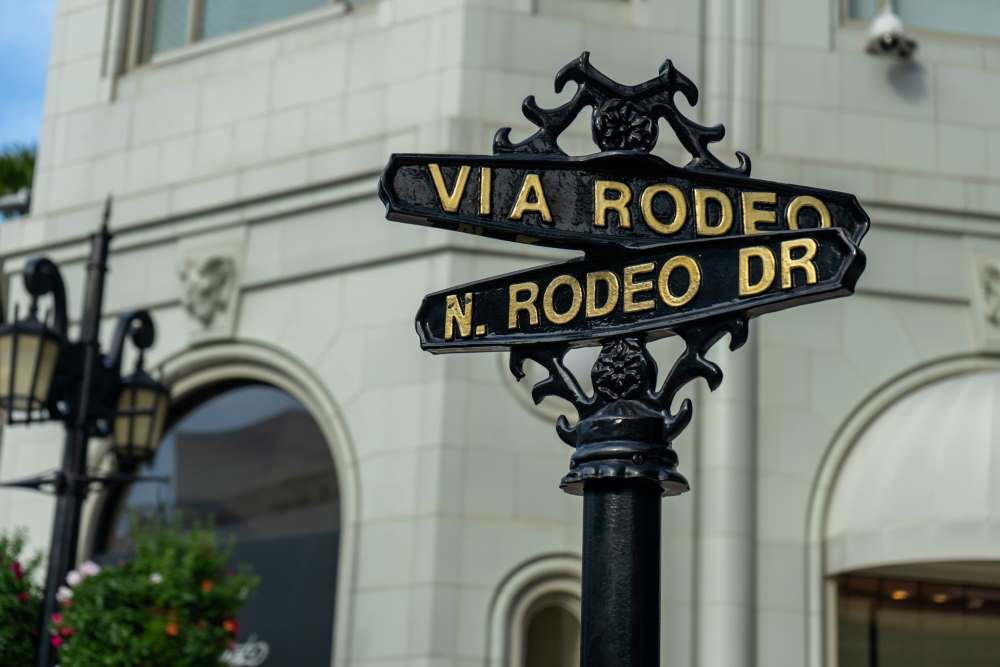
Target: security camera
[{"x": 887, "y": 35}]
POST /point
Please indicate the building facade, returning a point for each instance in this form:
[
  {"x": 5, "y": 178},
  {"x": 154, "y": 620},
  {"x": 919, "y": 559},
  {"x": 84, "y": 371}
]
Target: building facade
[{"x": 403, "y": 508}]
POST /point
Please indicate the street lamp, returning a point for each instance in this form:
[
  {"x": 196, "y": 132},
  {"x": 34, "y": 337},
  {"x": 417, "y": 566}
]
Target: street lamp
[
  {"x": 141, "y": 408},
  {"x": 46, "y": 376}
]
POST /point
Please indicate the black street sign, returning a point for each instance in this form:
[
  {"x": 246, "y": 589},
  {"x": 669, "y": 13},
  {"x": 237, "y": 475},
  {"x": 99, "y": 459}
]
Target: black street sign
[
  {"x": 612, "y": 201},
  {"x": 686, "y": 244},
  {"x": 692, "y": 251},
  {"x": 588, "y": 300}
]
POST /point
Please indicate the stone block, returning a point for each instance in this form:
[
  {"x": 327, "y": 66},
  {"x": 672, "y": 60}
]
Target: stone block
[
  {"x": 83, "y": 32},
  {"x": 214, "y": 149},
  {"x": 887, "y": 87},
  {"x": 380, "y": 626},
  {"x": 234, "y": 97},
  {"x": 385, "y": 553},
  {"x": 963, "y": 150},
  {"x": 388, "y": 487},
  {"x": 79, "y": 85},
  {"x": 963, "y": 93},
  {"x": 273, "y": 177},
  {"x": 177, "y": 159},
  {"x": 168, "y": 113},
  {"x": 310, "y": 75},
  {"x": 203, "y": 193}
]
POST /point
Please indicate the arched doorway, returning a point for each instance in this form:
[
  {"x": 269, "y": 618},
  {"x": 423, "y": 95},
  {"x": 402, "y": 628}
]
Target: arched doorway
[
  {"x": 910, "y": 543},
  {"x": 250, "y": 456},
  {"x": 552, "y": 632}
]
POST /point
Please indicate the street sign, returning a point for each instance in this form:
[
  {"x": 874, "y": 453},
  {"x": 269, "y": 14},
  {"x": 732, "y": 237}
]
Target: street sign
[
  {"x": 611, "y": 200},
  {"x": 657, "y": 290},
  {"x": 692, "y": 251},
  {"x": 664, "y": 246}
]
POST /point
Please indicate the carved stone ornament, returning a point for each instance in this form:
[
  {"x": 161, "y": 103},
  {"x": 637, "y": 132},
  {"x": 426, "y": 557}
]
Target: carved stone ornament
[
  {"x": 989, "y": 277},
  {"x": 208, "y": 284}
]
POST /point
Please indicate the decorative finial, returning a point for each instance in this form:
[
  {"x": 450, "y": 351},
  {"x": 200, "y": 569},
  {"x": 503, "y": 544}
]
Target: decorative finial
[{"x": 106, "y": 216}]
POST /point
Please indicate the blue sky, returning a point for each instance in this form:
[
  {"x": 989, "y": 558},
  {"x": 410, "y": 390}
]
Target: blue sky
[{"x": 25, "y": 33}]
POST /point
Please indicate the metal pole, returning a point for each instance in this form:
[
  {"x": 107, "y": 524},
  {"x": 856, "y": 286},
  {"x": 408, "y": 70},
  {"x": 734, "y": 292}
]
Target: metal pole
[
  {"x": 623, "y": 464},
  {"x": 72, "y": 489},
  {"x": 621, "y": 574}
]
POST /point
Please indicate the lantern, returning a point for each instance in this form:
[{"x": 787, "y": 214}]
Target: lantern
[
  {"x": 29, "y": 355},
  {"x": 141, "y": 412}
]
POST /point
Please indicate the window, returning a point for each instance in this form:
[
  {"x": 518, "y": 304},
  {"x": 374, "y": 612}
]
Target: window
[
  {"x": 171, "y": 24},
  {"x": 980, "y": 18},
  {"x": 889, "y": 622},
  {"x": 252, "y": 457}
]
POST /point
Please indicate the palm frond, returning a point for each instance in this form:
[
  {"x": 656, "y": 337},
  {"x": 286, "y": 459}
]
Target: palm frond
[{"x": 17, "y": 167}]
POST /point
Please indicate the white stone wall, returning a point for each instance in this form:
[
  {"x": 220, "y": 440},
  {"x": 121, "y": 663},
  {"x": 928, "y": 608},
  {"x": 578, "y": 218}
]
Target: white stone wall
[{"x": 274, "y": 139}]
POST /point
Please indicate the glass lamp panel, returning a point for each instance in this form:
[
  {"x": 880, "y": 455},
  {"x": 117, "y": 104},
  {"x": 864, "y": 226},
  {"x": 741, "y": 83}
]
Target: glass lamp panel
[
  {"x": 32, "y": 368},
  {"x": 159, "y": 418},
  {"x": 133, "y": 426}
]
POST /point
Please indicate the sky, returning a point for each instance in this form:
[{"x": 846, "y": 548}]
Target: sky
[{"x": 25, "y": 33}]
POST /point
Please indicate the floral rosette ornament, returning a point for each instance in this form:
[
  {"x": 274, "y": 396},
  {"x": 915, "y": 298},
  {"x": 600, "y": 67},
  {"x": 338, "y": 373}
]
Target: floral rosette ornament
[
  {"x": 620, "y": 125},
  {"x": 20, "y": 602},
  {"x": 174, "y": 604}
]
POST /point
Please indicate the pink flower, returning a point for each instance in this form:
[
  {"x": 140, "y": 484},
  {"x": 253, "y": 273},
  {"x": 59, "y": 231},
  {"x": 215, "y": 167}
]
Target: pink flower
[
  {"x": 57, "y": 618},
  {"x": 23, "y": 597},
  {"x": 90, "y": 569},
  {"x": 15, "y": 567},
  {"x": 74, "y": 578},
  {"x": 57, "y": 641},
  {"x": 64, "y": 594}
]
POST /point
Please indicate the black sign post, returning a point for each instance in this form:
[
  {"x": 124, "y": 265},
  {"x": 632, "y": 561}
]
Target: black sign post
[{"x": 693, "y": 252}]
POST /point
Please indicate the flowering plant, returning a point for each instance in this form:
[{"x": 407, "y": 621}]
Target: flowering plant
[
  {"x": 173, "y": 605},
  {"x": 20, "y": 602}
]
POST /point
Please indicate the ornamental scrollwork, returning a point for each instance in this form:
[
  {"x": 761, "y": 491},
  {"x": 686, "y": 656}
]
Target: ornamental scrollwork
[
  {"x": 624, "y": 117},
  {"x": 626, "y": 371}
]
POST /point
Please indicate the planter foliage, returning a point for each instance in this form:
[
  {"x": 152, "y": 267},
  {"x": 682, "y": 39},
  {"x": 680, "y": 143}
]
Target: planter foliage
[
  {"x": 173, "y": 605},
  {"x": 20, "y": 602}
]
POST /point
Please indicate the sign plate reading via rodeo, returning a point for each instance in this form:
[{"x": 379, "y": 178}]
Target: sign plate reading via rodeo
[{"x": 664, "y": 246}]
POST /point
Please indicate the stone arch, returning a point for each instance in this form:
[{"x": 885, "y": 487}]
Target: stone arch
[
  {"x": 192, "y": 370},
  {"x": 552, "y": 578},
  {"x": 818, "y": 596}
]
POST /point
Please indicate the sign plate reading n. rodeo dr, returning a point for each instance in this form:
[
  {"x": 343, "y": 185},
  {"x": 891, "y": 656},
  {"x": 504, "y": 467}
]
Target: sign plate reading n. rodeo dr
[{"x": 665, "y": 247}]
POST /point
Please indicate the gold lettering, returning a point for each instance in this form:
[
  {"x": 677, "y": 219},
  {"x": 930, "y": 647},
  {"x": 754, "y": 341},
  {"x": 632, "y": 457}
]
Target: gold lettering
[
  {"x": 602, "y": 204},
  {"x": 532, "y": 186},
  {"x": 516, "y": 305},
  {"x": 455, "y": 312},
  {"x": 753, "y": 216},
  {"x": 548, "y": 305},
  {"x": 450, "y": 200},
  {"x": 804, "y": 262},
  {"x": 766, "y": 258},
  {"x": 609, "y": 279},
  {"x": 701, "y": 199},
  {"x": 806, "y": 201},
  {"x": 629, "y": 304},
  {"x": 680, "y": 208},
  {"x": 485, "y": 190},
  {"x": 694, "y": 280}
]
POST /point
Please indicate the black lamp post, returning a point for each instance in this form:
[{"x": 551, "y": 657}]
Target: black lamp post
[{"x": 45, "y": 376}]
